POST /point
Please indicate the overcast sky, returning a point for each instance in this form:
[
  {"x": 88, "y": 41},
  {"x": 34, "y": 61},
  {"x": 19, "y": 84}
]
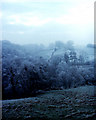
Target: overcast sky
[{"x": 46, "y": 21}]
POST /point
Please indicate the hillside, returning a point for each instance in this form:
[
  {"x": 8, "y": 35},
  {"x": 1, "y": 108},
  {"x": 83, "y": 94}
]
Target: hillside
[
  {"x": 29, "y": 69},
  {"x": 14, "y": 50},
  {"x": 77, "y": 103}
]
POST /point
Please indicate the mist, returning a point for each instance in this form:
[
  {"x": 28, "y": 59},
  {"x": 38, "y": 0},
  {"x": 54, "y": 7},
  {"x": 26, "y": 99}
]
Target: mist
[
  {"x": 48, "y": 61},
  {"x": 46, "y": 22}
]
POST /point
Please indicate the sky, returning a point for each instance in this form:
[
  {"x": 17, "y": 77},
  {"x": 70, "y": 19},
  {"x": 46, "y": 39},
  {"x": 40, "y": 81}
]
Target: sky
[{"x": 47, "y": 21}]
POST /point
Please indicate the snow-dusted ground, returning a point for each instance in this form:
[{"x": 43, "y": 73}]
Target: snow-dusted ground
[{"x": 76, "y": 103}]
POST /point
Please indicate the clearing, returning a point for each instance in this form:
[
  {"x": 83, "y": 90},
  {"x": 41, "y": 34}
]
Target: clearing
[{"x": 76, "y": 103}]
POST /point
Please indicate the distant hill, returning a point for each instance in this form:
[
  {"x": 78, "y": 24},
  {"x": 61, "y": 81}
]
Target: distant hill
[{"x": 13, "y": 50}]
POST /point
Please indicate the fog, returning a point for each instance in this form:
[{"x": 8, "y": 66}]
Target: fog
[
  {"x": 44, "y": 22},
  {"x": 48, "y": 64}
]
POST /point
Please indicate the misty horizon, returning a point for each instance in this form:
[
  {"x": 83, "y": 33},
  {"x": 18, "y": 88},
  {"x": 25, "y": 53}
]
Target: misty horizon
[
  {"x": 47, "y": 61},
  {"x": 49, "y": 44},
  {"x": 45, "y": 22}
]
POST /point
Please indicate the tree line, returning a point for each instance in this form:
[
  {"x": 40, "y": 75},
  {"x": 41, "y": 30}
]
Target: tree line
[{"x": 24, "y": 75}]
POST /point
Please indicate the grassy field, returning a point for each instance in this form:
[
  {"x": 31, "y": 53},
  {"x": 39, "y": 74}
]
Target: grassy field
[{"x": 72, "y": 104}]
